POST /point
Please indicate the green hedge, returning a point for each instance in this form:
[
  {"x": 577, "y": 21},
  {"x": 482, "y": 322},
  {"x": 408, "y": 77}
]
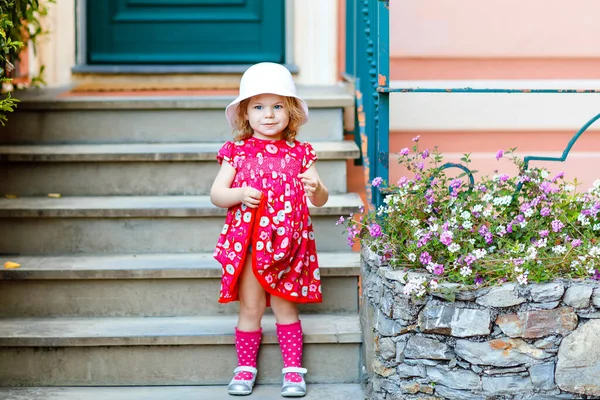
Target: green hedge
[{"x": 19, "y": 23}]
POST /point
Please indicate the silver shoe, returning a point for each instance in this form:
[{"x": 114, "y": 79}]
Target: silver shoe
[
  {"x": 242, "y": 387},
  {"x": 293, "y": 389}
]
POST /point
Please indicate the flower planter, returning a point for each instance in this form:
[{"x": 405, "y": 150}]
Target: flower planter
[{"x": 534, "y": 341}]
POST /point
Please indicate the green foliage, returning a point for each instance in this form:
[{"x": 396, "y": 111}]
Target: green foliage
[{"x": 19, "y": 24}]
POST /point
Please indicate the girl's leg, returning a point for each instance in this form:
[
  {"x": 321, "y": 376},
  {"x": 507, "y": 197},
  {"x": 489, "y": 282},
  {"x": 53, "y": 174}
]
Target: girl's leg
[
  {"x": 289, "y": 334},
  {"x": 248, "y": 333}
]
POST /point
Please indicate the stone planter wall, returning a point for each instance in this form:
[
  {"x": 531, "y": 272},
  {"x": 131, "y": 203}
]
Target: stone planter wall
[{"x": 539, "y": 341}]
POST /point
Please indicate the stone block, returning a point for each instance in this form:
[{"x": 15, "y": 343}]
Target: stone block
[
  {"x": 537, "y": 324},
  {"x": 428, "y": 348},
  {"x": 454, "y": 321},
  {"x": 499, "y": 352},
  {"x": 458, "y": 379},
  {"x": 578, "y": 368},
  {"x": 506, "y": 384},
  {"x": 546, "y": 292},
  {"x": 542, "y": 376},
  {"x": 578, "y": 296},
  {"x": 501, "y": 296}
]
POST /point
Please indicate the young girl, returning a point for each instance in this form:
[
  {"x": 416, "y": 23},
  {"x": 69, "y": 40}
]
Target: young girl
[{"x": 267, "y": 246}]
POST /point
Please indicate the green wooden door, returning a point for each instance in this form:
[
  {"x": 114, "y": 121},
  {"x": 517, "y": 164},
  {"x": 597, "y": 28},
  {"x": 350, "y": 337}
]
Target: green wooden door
[{"x": 185, "y": 31}]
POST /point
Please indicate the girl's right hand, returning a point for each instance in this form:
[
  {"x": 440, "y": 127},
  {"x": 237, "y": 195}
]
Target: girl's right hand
[{"x": 250, "y": 196}]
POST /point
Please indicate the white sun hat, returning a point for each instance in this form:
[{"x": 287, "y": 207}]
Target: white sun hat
[{"x": 263, "y": 78}]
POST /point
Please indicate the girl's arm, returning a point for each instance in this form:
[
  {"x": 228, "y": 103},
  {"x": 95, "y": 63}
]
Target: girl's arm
[
  {"x": 315, "y": 190},
  {"x": 224, "y": 196}
]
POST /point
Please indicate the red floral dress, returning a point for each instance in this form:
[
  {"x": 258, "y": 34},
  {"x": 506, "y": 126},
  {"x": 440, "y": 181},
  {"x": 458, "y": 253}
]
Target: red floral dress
[{"x": 280, "y": 231}]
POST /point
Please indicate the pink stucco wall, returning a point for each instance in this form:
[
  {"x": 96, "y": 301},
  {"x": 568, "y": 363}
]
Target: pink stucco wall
[{"x": 508, "y": 28}]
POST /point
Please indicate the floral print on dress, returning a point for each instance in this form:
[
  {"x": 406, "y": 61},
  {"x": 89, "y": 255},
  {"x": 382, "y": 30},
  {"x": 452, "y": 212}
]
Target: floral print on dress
[{"x": 284, "y": 256}]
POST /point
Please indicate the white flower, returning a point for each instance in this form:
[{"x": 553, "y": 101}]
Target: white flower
[
  {"x": 454, "y": 247},
  {"x": 433, "y": 284},
  {"x": 501, "y": 230},
  {"x": 465, "y": 215},
  {"x": 569, "y": 188},
  {"x": 487, "y": 197},
  {"x": 412, "y": 257},
  {"x": 434, "y": 227},
  {"x": 594, "y": 251},
  {"x": 478, "y": 208},
  {"x": 597, "y": 184},
  {"x": 472, "y": 241},
  {"x": 529, "y": 212},
  {"x": 415, "y": 286},
  {"x": 522, "y": 279},
  {"x": 467, "y": 225},
  {"x": 583, "y": 220},
  {"x": 479, "y": 253},
  {"x": 502, "y": 201},
  {"x": 596, "y": 227},
  {"x": 487, "y": 213},
  {"x": 465, "y": 271},
  {"x": 544, "y": 174},
  {"x": 531, "y": 253},
  {"x": 559, "y": 249},
  {"x": 414, "y": 222},
  {"x": 542, "y": 242},
  {"x": 523, "y": 224}
]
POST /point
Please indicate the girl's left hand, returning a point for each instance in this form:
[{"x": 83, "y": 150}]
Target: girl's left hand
[{"x": 311, "y": 185}]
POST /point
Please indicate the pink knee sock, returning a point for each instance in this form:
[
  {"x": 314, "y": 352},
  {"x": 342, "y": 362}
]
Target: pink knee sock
[
  {"x": 246, "y": 346},
  {"x": 290, "y": 341}
]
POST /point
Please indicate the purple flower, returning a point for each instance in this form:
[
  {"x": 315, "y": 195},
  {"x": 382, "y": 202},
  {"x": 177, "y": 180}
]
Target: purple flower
[
  {"x": 376, "y": 182},
  {"x": 438, "y": 269},
  {"x": 425, "y": 258},
  {"x": 557, "y": 225},
  {"x": 544, "y": 233},
  {"x": 503, "y": 177},
  {"x": 525, "y": 207},
  {"x": 361, "y": 209},
  {"x": 446, "y": 238},
  {"x": 402, "y": 181},
  {"x": 425, "y": 154},
  {"x": 416, "y": 138},
  {"x": 560, "y": 175},
  {"x": 419, "y": 166},
  {"x": 509, "y": 227},
  {"x": 544, "y": 212},
  {"x": 489, "y": 238},
  {"x": 483, "y": 230},
  {"x": 499, "y": 154},
  {"x": 596, "y": 275},
  {"x": 456, "y": 183},
  {"x": 404, "y": 151},
  {"x": 470, "y": 259},
  {"x": 340, "y": 221},
  {"x": 424, "y": 239},
  {"x": 478, "y": 280},
  {"x": 576, "y": 243},
  {"x": 375, "y": 230},
  {"x": 418, "y": 177}
]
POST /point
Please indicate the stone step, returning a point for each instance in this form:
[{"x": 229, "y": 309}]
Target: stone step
[
  {"x": 137, "y": 224},
  {"x": 148, "y": 285},
  {"x": 136, "y": 169},
  {"x": 164, "y": 351},
  {"x": 54, "y": 116},
  {"x": 262, "y": 392}
]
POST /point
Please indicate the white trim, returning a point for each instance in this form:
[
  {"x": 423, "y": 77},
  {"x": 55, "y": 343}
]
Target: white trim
[
  {"x": 316, "y": 41},
  {"x": 493, "y": 111},
  {"x": 289, "y": 32},
  {"x": 81, "y": 31}
]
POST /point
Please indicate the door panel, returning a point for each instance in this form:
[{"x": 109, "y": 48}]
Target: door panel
[{"x": 185, "y": 31}]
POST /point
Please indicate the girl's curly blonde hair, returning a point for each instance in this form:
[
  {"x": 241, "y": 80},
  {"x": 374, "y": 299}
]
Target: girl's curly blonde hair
[{"x": 245, "y": 131}]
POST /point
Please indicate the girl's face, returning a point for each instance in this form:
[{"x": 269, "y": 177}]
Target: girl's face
[{"x": 267, "y": 116}]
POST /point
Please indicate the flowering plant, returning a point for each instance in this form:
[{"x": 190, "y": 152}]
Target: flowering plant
[{"x": 529, "y": 227}]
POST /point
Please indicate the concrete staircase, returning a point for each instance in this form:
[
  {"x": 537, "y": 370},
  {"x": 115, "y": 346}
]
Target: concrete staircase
[{"x": 116, "y": 296}]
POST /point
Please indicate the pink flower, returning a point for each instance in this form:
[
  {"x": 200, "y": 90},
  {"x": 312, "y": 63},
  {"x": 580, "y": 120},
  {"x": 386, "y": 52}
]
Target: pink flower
[
  {"x": 340, "y": 221},
  {"x": 376, "y": 182},
  {"x": 375, "y": 230},
  {"x": 416, "y": 138},
  {"x": 404, "y": 151},
  {"x": 499, "y": 154}
]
